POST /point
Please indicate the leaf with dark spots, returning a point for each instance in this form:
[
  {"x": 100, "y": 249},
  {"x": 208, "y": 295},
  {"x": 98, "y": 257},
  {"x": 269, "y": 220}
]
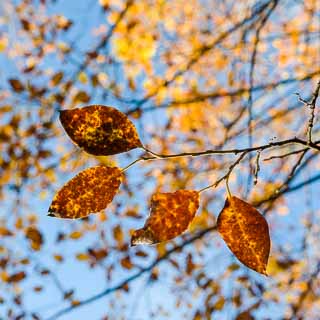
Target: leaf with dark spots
[
  {"x": 246, "y": 233},
  {"x": 88, "y": 192},
  {"x": 170, "y": 215},
  {"x": 100, "y": 130}
]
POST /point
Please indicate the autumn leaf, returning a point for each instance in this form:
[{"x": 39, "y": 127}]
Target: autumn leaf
[
  {"x": 16, "y": 277},
  {"x": 16, "y": 85},
  {"x": 35, "y": 237},
  {"x": 100, "y": 130},
  {"x": 246, "y": 233},
  {"x": 88, "y": 192},
  {"x": 170, "y": 215}
]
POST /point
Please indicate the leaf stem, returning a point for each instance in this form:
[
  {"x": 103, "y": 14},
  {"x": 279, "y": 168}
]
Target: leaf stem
[{"x": 226, "y": 176}]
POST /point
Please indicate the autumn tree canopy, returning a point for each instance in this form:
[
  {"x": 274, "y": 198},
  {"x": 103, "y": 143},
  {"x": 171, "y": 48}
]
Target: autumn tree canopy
[{"x": 159, "y": 159}]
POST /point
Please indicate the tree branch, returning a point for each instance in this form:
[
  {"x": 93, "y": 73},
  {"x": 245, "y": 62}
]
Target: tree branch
[{"x": 135, "y": 276}]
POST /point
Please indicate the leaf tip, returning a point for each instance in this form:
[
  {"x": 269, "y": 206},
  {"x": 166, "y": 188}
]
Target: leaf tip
[
  {"x": 50, "y": 214},
  {"x": 142, "y": 236}
]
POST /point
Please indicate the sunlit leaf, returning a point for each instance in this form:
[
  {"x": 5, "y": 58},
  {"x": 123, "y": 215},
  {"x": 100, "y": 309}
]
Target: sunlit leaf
[
  {"x": 75, "y": 235},
  {"x": 246, "y": 233},
  {"x": 58, "y": 257},
  {"x": 100, "y": 130},
  {"x": 4, "y": 232},
  {"x": 170, "y": 215},
  {"x": 82, "y": 256},
  {"x": 88, "y": 192}
]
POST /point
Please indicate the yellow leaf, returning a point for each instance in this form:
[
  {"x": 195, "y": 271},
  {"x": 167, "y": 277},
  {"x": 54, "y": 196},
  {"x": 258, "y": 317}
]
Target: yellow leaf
[
  {"x": 58, "y": 257},
  {"x": 75, "y": 235},
  {"x": 82, "y": 256},
  {"x": 83, "y": 78},
  {"x": 3, "y": 43}
]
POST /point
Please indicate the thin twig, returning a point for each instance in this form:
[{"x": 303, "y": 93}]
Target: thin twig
[
  {"x": 257, "y": 168},
  {"x": 226, "y": 176},
  {"x": 285, "y": 155},
  {"x": 312, "y": 106},
  {"x": 251, "y": 84}
]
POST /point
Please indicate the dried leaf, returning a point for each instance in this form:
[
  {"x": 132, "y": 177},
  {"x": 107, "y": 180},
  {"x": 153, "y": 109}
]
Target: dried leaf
[
  {"x": 88, "y": 192},
  {"x": 56, "y": 78},
  {"x": 170, "y": 215},
  {"x": 4, "y": 232},
  {"x": 16, "y": 85},
  {"x": 100, "y": 130},
  {"x": 81, "y": 97},
  {"x": 16, "y": 277},
  {"x": 126, "y": 263},
  {"x": 35, "y": 237},
  {"x": 246, "y": 233},
  {"x": 98, "y": 254}
]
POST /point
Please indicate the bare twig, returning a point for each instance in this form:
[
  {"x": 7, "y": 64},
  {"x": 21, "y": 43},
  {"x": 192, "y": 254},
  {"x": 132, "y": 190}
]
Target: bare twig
[
  {"x": 257, "y": 168},
  {"x": 312, "y": 106},
  {"x": 221, "y": 94},
  {"x": 226, "y": 176},
  {"x": 251, "y": 82}
]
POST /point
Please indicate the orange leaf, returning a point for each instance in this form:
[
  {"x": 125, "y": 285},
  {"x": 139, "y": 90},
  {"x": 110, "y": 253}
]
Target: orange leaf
[
  {"x": 88, "y": 192},
  {"x": 246, "y": 233},
  {"x": 100, "y": 130},
  {"x": 170, "y": 215}
]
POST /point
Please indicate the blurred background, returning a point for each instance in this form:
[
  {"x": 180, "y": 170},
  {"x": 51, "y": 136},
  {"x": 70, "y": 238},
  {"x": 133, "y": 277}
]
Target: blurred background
[{"x": 191, "y": 75}]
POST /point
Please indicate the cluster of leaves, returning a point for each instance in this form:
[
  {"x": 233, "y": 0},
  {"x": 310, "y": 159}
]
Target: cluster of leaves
[{"x": 102, "y": 130}]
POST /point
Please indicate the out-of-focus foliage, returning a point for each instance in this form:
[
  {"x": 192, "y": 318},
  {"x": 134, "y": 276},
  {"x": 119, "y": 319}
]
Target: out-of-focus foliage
[{"x": 192, "y": 76}]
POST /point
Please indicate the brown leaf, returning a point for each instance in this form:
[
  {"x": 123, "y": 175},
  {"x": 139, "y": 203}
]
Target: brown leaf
[
  {"x": 100, "y": 130},
  {"x": 81, "y": 97},
  {"x": 56, "y": 78},
  {"x": 246, "y": 233},
  {"x": 126, "y": 263},
  {"x": 88, "y": 192},
  {"x": 98, "y": 254},
  {"x": 170, "y": 215},
  {"x": 16, "y": 85},
  {"x": 35, "y": 237},
  {"x": 16, "y": 277}
]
